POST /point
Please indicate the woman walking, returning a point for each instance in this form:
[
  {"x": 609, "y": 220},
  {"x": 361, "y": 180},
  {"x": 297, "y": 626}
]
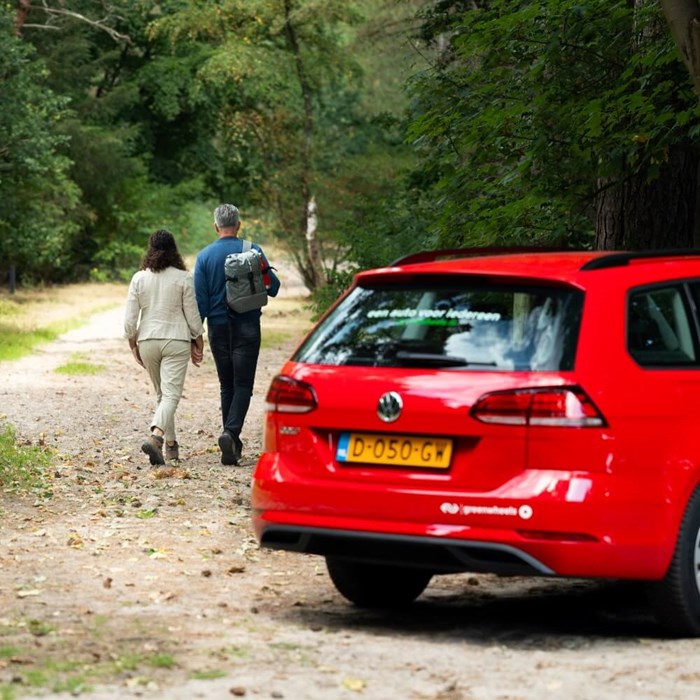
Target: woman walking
[{"x": 164, "y": 330}]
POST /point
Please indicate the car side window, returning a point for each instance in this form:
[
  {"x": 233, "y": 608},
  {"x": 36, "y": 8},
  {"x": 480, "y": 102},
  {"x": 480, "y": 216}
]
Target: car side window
[{"x": 659, "y": 330}]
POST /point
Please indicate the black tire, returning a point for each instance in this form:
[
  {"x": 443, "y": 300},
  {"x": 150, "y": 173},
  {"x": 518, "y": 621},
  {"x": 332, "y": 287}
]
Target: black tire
[
  {"x": 377, "y": 585},
  {"x": 676, "y": 598}
]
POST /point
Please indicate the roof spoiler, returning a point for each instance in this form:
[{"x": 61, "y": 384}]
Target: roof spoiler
[
  {"x": 451, "y": 253},
  {"x": 620, "y": 259}
]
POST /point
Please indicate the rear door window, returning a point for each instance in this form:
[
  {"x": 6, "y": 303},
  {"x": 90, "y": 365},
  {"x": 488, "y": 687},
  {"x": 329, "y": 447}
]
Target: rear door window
[
  {"x": 659, "y": 328},
  {"x": 475, "y": 325}
]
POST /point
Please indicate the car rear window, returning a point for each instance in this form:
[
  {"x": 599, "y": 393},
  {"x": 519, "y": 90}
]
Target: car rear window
[{"x": 475, "y": 325}]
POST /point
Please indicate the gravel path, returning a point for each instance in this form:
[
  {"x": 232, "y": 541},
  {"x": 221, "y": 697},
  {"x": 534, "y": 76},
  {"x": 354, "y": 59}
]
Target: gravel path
[{"x": 135, "y": 582}]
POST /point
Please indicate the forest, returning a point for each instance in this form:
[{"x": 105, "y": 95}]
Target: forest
[{"x": 348, "y": 132}]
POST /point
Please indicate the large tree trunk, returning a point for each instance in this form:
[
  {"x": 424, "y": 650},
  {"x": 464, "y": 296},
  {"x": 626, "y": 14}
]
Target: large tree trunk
[
  {"x": 638, "y": 214},
  {"x": 642, "y": 213},
  {"x": 683, "y": 17}
]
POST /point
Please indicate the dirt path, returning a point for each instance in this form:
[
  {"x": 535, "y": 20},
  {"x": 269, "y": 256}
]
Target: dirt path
[{"x": 134, "y": 582}]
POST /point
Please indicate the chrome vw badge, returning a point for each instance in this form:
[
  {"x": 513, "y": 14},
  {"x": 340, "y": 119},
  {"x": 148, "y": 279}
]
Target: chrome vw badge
[{"x": 389, "y": 407}]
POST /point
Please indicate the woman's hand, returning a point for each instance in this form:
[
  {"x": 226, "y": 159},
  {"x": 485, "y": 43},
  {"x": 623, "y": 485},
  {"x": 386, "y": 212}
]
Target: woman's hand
[
  {"x": 135, "y": 352},
  {"x": 197, "y": 351}
]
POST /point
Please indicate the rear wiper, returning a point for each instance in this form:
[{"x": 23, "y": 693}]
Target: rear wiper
[{"x": 429, "y": 358}]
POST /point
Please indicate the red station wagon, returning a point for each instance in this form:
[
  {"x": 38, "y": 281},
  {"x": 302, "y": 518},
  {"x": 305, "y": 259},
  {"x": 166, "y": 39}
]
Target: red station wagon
[{"x": 530, "y": 413}]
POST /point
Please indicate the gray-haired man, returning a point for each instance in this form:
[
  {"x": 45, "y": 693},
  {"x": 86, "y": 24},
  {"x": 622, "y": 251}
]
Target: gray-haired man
[{"x": 234, "y": 338}]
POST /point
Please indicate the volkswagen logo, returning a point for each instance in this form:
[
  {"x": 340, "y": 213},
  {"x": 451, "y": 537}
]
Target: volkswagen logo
[{"x": 389, "y": 407}]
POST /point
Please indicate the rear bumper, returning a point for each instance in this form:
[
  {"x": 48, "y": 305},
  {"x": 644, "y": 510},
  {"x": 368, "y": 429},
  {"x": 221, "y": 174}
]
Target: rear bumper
[
  {"x": 432, "y": 553},
  {"x": 542, "y": 523}
]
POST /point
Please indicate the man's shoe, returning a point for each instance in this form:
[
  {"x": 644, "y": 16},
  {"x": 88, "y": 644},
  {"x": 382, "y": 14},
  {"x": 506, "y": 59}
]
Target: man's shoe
[
  {"x": 228, "y": 453},
  {"x": 172, "y": 451},
  {"x": 153, "y": 447}
]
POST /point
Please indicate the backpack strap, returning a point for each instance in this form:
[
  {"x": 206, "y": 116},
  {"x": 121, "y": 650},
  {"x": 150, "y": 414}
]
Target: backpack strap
[{"x": 247, "y": 245}]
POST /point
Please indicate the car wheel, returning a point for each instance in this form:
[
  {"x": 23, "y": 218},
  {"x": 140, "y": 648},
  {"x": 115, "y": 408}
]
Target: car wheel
[
  {"x": 377, "y": 585},
  {"x": 676, "y": 598}
]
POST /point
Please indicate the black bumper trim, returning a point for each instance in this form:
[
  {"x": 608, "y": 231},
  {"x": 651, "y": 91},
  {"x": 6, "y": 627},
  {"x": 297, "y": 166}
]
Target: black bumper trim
[{"x": 439, "y": 555}]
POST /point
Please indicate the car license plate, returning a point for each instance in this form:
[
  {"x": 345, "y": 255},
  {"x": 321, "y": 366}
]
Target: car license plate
[{"x": 398, "y": 450}]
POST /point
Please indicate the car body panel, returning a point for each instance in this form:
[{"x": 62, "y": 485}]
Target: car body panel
[{"x": 601, "y": 501}]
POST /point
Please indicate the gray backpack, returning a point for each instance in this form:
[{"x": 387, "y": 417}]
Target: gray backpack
[{"x": 245, "y": 285}]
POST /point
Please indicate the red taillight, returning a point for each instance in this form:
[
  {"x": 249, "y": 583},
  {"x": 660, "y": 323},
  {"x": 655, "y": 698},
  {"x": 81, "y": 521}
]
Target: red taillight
[
  {"x": 288, "y": 395},
  {"x": 545, "y": 406}
]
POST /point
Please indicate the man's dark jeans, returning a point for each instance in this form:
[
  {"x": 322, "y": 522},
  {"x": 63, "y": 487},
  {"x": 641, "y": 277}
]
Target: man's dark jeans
[{"x": 235, "y": 348}]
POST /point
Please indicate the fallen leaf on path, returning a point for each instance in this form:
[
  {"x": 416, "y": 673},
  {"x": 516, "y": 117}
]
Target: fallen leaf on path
[
  {"x": 157, "y": 554},
  {"x": 353, "y": 684},
  {"x": 23, "y": 660},
  {"x": 170, "y": 473},
  {"x": 75, "y": 540},
  {"x": 27, "y": 592}
]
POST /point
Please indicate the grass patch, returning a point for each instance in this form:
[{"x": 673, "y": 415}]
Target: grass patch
[
  {"x": 75, "y": 677},
  {"x": 22, "y": 467},
  {"x": 52, "y": 668},
  {"x": 80, "y": 365},
  {"x": 271, "y": 339},
  {"x": 161, "y": 661},
  {"x": 33, "y": 317},
  {"x": 16, "y": 343},
  {"x": 132, "y": 662},
  {"x": 146, "y": 513},
  {"x": 207, "y": 675},
  {"x": 74, "y": 685}
]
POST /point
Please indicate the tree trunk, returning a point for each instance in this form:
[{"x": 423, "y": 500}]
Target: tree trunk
[
  {"x": 23, "y": 7},
  {"x": 314, "y": 273},
  {"x": 683, "y": 17},
  {"x": 638, "y": 214}
]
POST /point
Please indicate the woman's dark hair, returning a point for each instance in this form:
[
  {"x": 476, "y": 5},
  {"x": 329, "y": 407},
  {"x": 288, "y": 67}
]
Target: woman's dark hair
[{"x": 162, "y": 252}]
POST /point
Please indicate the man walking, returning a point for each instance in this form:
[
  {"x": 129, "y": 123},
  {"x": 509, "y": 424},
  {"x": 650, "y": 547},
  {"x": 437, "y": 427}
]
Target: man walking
[{"x": 234, "y": 338}]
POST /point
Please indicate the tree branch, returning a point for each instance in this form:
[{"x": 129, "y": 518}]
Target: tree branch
[{"x": 101, "y": 24}]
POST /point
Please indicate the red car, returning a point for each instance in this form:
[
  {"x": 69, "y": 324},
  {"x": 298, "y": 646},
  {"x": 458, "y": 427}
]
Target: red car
[{"x": 528, "y": 413}]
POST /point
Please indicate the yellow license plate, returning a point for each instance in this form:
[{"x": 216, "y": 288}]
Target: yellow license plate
[{"x": 397, "y": 450}]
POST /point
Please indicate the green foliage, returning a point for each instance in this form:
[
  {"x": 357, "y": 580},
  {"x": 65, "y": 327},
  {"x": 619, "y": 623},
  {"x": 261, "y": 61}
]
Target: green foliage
[
  {"x": 520, "y": 112},
  {"x": 138, "y": 142},
  {"x": 383, "y": 229},
  {"x": 323, "y": 297},
  {"x": 534, "y": 105},
  {"x": 180, "y": 105},
  {"x": 22, "y": 467},
  {"x": 289, "y": 109},
  {"x": 37, "y": 199}
]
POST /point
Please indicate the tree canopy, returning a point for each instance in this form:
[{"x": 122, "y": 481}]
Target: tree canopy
[
  {"x": 350, "y": 132},
  {"x": 532, "y": 110}
]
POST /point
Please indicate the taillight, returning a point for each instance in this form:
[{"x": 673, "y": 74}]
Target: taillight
[
  {"x": 288, "y": 395},
  {"x": 546, "y": 406}
]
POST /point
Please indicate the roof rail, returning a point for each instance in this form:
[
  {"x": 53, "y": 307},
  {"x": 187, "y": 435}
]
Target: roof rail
[
  {"x": 446, "y": 253},
  {"x": 625, "y": 258}
]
